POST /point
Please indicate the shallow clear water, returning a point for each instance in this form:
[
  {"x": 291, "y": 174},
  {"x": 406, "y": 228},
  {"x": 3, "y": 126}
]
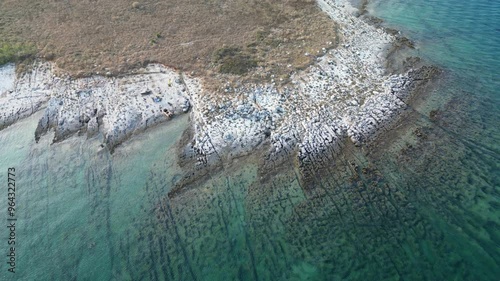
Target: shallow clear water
[{"x": 420, "y": 204}]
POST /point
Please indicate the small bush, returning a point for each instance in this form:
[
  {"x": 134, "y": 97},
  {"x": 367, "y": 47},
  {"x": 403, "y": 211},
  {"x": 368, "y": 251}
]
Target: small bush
[
  {"x": 233, "y": 61},
  {"x": 225, "y": 52},
  {"x": 15, "y": 52}
]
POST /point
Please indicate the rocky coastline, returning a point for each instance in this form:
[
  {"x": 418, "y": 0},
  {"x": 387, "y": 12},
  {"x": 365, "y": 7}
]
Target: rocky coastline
[
  {"x": 347, "y": 95},
  {"x": 351, "y": 94},
  {"x": 117, "y": 107}
]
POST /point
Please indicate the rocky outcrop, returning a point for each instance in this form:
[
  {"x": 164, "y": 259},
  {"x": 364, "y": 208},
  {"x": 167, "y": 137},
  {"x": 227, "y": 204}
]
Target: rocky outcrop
[
  {"x": 23, "y": 96},
  {"x": 116, "y": 107},
  {"x": 347, "y": 95}
]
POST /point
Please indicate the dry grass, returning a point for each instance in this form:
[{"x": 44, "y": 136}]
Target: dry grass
[{"x": 88, "y": 36}]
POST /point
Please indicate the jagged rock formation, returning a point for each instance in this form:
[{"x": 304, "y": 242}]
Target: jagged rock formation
[
  {"x": 117, "y": 107},
  {"x": 347, "y": 95}
]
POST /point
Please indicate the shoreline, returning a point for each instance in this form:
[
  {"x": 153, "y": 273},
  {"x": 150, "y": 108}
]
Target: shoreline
[
  {"x": 347, "y": 95},
  {"x": 116, "y": 107},
  {"x": 295, "y": 128}
]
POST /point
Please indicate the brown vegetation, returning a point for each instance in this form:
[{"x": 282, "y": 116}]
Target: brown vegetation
[{"x": 89, "y": 36}]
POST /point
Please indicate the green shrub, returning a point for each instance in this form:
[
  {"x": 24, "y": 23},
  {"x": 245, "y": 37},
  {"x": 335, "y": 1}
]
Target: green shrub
[{"x": 15, "y": 52}]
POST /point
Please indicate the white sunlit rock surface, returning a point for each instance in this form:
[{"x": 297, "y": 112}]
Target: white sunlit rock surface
[
  {"x": 345, "y": 94},
  {"x": 117, "y": 107}
]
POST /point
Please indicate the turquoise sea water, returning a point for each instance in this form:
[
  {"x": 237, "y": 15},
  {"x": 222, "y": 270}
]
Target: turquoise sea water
[{"x": 423, "y": 203}]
